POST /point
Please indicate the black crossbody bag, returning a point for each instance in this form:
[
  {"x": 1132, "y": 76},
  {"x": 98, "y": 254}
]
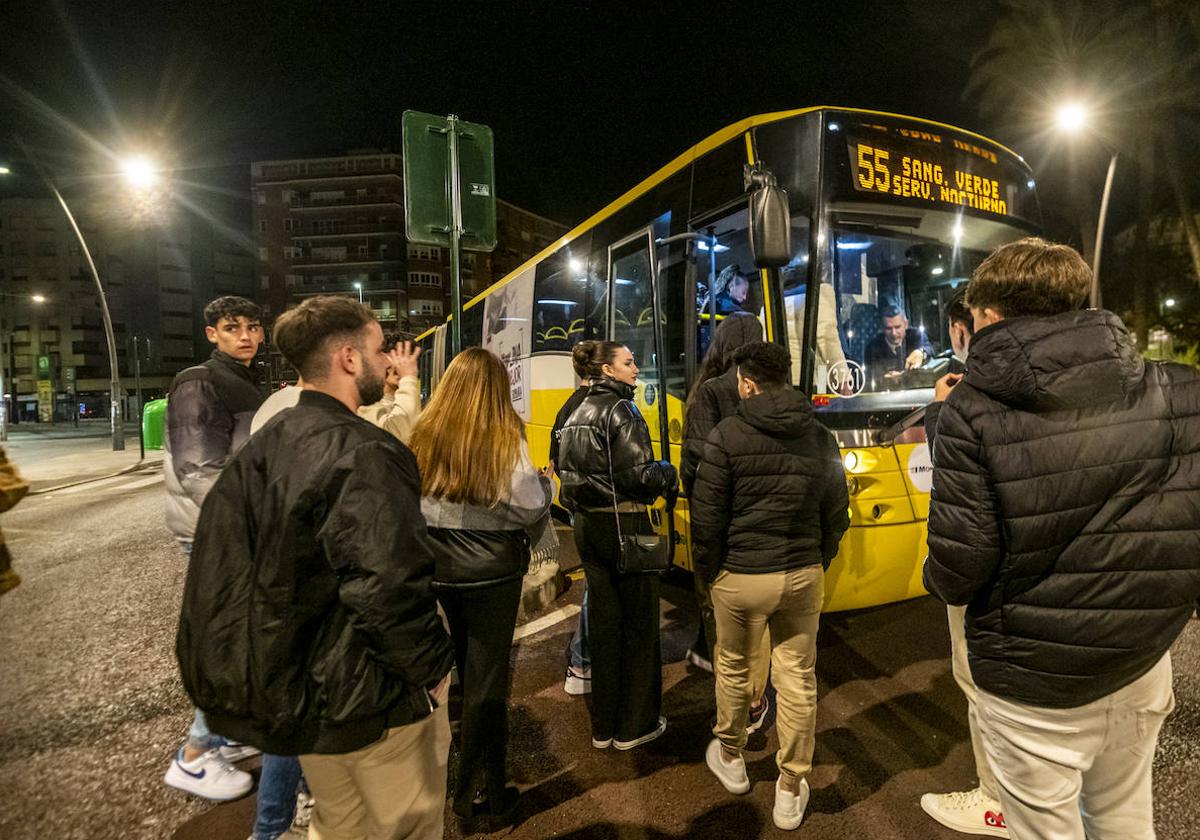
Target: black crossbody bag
[{"x": 642, "y": 549}]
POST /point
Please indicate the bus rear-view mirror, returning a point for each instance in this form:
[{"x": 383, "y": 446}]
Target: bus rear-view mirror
[{"x": 770, "y": 219}]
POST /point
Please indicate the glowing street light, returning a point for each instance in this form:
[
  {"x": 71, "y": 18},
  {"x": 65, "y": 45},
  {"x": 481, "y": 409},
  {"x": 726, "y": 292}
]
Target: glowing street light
[
  {"x": 1169, "y": 302},
  {"x": 358, "y": 286},
  {"x": 139, "y": 172},
  {"x": 1071, "y": 118},
  {"x": 4, "y": 170},
  {"x": 38, "y": 298}
]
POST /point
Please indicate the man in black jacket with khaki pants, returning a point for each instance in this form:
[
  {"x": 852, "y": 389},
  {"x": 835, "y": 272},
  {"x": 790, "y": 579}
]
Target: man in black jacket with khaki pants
[
  {"x": 309, "y": 625},
  {"x": 769, "y": 507},
  {"x": 1065, "y": 515}
]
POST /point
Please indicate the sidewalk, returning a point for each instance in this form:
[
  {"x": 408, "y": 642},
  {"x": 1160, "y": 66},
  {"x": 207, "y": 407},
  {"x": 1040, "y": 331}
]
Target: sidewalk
[{"x": 50, "y": 456}]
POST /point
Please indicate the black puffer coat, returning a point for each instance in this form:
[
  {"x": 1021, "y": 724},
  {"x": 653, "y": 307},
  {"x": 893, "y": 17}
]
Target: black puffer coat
[
  {"x": 607, "y": 418},
  {"x": 770, "y": 494},
  {"x": 308, "y": 622},
  {"x": 1066, "y": 507}
]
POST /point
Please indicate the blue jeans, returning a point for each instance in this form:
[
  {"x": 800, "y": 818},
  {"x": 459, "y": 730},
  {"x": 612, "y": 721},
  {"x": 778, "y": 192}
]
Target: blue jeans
[
  {"x": 578, "y": 656},
  {"x": 200, "y": 737},
  {"x": 277, "y": 787}
]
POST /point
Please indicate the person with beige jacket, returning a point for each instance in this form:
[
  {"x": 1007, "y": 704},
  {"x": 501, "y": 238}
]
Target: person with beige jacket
[{"x": 400, "y": 407}]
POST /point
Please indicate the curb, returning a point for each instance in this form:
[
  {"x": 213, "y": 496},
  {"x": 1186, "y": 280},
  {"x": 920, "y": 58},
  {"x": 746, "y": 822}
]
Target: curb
[{"x": 141, "y": 466}]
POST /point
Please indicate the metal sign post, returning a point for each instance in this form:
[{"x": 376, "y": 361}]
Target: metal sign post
[
  {"x": 455, "y": 237},
  {"x": 440, "y": 154}
]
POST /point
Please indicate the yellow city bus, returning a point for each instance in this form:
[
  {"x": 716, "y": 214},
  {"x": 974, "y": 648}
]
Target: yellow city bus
[{"x": 878, "y": 211}]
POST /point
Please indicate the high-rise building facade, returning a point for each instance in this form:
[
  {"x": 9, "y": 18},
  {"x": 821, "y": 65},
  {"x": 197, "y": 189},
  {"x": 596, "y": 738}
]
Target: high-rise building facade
[
  {"x": 336, "y": 226},
  {"x": 157, "y": 281}
]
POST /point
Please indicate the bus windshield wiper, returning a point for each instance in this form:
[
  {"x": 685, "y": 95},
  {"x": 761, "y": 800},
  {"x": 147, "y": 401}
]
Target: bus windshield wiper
[{"x": 885, "y": 437}]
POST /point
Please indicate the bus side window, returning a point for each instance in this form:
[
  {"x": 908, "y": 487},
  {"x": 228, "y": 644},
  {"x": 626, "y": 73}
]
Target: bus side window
[
  {"x": 569, "y": 297},
  {"x": 726, "y": 280}
]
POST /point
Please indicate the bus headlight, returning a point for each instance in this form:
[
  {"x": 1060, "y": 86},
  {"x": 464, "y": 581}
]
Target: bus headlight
[{"x": 850, "y": 461}]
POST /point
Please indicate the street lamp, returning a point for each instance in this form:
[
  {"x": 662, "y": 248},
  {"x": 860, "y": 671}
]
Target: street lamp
[
  {"x": 139, "y": 173},
  {"x": 358, "y": 286},
  {"x": 1071, "y": 118}
]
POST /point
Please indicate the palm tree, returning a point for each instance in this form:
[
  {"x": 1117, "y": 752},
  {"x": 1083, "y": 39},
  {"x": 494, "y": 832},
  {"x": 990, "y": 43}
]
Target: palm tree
[{"x": 1135, "y": 63}]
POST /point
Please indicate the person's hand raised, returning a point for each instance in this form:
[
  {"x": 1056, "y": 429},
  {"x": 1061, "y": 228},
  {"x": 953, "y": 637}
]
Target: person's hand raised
[{"x": 403, "y": 358}]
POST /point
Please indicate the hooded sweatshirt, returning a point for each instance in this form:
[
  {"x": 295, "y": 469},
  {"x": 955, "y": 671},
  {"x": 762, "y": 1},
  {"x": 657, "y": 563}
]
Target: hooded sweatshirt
[
  {"x": 770, "y": 492},
  {"x": 715, "y": 398},
  {"x": 1066, "y": 507}
]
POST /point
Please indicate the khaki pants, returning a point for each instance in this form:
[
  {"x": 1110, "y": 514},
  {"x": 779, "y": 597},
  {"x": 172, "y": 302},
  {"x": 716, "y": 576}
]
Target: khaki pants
[
  {"x": 392, "y": 789},
  {"x": 760, "y": 666},
  {"x": 962, "y": 675},
  {"x": 1067, "y": 774},
  {"x": 788, "y": 604}
]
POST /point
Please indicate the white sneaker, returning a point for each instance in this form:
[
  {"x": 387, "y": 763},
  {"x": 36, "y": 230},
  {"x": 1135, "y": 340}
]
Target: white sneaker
[
  {"x": 698, "y": 661},
  {"x": 645, "y": 739},
  {"x": 578, "y": 682},
  {"x": 788, "y": 812},
  {"x": 968, "y": 812},
  {"x": 233, "y": 752},
  {"x": 731, "y": 774},
  {"x": 210, "y": 776},
  {"x": 304, "y": 809}
]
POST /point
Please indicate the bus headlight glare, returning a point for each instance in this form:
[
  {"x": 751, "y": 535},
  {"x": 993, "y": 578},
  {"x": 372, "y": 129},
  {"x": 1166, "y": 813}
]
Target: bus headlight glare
[{"x": 850, "y": 461}]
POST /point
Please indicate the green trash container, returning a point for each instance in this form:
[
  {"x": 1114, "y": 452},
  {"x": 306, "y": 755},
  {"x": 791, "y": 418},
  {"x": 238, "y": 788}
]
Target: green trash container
[{"x": 154, "y": 416}]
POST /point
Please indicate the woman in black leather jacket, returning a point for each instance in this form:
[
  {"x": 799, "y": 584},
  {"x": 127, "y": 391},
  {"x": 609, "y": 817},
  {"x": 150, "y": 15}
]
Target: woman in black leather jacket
[
  {"x": 623, "y": 620},
  {"x": 484, "y": 503}
]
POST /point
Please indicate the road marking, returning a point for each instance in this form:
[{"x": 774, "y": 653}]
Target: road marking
[
  {"x": 145, "y": 482},
  {"x": 548, "y": 620},
  {"x": 92, "y": 485}
]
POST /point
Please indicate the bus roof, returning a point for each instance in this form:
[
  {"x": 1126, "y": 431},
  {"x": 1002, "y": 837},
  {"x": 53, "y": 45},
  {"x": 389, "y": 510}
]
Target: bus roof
[{"x": 730, "y": 132}]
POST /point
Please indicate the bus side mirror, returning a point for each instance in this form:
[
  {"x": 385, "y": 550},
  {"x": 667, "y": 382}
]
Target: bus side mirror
[{"x": 770, "y": 219}]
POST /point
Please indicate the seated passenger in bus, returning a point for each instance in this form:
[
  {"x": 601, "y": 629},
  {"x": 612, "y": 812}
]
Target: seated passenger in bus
[
  {"x": 732, "y": 288},
  {"x": 896, "y": 349}
]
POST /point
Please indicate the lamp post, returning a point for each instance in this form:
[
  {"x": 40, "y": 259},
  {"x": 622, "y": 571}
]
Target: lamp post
[
  {"x": 140, "y": 174},
  {"x": 1071, "y": 119},
  {"x": 358, "y": 286}
]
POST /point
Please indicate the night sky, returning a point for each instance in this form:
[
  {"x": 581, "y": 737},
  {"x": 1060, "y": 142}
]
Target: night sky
[{"x": 585, "y": 98}]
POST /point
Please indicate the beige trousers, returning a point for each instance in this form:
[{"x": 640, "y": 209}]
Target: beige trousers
[
  {"x": 761, "y": 666},
  {"x": 962, "y": 675},
  {"x": 1067, "y": 774},
  {"x": 394, "y": 788},
  {"x": 788, "y": 605}
]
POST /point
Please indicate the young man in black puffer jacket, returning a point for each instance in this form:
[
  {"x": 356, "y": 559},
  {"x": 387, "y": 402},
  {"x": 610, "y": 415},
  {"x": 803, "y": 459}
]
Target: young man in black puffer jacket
[
  {"x": 769, "y": 507},
  {"x": 1066, "y": 515}
]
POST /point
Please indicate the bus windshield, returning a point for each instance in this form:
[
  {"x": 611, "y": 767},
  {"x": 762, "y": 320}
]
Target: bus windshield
[
  {"x": 883, "y": 340},
  {"x": 911, "y": 213}
]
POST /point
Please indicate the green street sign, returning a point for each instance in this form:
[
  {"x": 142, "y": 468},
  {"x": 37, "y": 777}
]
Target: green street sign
[
  {"x": 43, "y": 366},
  {"x": 428, "y": 175}
]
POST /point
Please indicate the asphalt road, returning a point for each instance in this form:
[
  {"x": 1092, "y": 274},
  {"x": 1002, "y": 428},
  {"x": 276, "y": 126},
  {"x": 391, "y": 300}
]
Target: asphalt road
[{"x": 91, "y": 709}]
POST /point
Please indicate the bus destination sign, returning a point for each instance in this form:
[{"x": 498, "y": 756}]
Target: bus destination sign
[{"x": 928, "y": 166}]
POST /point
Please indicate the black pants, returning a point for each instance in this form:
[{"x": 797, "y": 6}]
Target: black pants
[
  {"x": 481, "y": 625},
  {"x": 622, "y": 635}
]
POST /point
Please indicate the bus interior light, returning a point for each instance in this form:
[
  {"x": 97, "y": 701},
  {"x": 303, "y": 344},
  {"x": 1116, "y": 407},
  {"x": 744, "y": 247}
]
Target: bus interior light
[
  {"x": 852, "y": 246},
  {"x": 555, "y": 302},
  {"x": 835, "y": 127},
  {"x": 938, "y": 271},
  {"x": 717, "y": 249},
  {"x": 1031, "y": 183},
  {"x": 576, "y": 265}
]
